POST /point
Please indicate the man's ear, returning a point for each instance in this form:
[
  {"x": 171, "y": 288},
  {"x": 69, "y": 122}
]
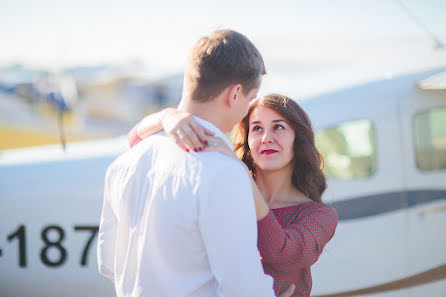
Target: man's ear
[{"x": 233, "y": 93}]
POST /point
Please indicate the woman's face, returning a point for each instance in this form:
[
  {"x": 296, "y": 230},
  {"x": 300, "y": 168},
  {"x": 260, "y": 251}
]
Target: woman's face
[{"x": 270, "y": 139}]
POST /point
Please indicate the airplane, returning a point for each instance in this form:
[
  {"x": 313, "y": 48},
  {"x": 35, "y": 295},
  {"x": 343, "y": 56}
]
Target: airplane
[
  {"x": 384, "y": 149},
  {"x": 42, "y": 107}
]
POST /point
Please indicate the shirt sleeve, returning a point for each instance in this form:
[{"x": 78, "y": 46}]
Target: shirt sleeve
[
  {"x": 228, "y": 227},
  {"x": 133, "y": 136},
  {"x": 299, "y": 244},
  {"x": 107, "y": 232}
]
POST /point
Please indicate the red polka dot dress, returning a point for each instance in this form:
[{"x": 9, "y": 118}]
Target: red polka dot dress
[{"x": 291, "y": 239}]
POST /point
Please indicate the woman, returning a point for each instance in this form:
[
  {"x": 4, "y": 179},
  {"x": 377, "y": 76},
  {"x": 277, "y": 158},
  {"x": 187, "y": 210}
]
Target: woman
[{"x": 276, "y": 142}]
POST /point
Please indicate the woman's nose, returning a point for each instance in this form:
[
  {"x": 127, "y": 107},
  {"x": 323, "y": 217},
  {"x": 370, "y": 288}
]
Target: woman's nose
[{"x": 267, "y": 137}]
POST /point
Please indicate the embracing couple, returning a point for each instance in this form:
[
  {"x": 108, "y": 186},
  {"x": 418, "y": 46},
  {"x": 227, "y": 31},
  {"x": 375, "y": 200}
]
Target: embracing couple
[{"x": 187, "y": 213}]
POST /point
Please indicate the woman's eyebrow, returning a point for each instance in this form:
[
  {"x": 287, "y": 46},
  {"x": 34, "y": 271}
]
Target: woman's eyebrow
[{"x": 274, "y": 121}]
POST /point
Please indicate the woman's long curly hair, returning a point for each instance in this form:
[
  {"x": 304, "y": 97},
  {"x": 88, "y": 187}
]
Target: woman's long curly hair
[{"x": 307, "y": 172}]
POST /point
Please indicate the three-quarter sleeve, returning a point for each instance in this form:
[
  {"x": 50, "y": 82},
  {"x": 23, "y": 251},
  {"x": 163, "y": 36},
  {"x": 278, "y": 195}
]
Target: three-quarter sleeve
[
  {"x": 300, "y": 243},
  {"x": 133, "y": 136}
]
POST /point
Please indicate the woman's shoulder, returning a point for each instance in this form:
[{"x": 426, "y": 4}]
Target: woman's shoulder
[
  {"x": 318, "y": 215},
  {"x": 321, "y": 210}
]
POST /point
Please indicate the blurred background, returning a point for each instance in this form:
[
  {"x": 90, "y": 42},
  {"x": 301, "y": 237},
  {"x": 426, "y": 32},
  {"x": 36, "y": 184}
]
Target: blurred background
[{"x": 76, "y": 70}]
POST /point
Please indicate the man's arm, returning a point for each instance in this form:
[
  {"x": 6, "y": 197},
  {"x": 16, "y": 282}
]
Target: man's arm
[
  {"x": 229, "y": 229},
  {"x": 107, "y": 231}
]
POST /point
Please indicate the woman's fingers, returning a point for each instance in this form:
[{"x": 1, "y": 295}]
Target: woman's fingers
[
  {"x": 213, "y": 144},
  {"x": 184, "y": 136},
  {"x": 195, "y": 142},
  {"x": 185, "y": 129},
  {"x": 215, "y": 141},
  {"x": 179, "y": 141},
  {"x": 217, "y": 144},
  {"x": 191, "y": 136},
  {"x": 208, "y": 132},
  {"x": 201, "y": 132}
]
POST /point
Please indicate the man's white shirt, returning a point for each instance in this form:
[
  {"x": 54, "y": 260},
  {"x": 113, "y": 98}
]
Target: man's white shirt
[{"x": 180, "y": 224}]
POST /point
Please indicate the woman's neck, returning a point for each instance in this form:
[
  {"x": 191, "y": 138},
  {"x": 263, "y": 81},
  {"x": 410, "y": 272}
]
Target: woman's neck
[{"x": 277, "y": 188}]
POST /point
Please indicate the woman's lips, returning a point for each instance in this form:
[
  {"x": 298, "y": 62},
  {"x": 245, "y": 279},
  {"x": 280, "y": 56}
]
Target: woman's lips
[{"x": 268, "y": 152}]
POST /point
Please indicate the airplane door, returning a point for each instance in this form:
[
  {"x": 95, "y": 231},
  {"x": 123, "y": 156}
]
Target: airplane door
[{"x": 423, "y": 119}]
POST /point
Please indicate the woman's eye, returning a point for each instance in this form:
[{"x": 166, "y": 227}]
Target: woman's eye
[
  {"x": 279, "y": 127},
  {"x": 256, "y": 128}
]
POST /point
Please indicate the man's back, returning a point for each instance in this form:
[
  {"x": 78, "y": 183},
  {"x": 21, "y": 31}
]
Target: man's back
[{"x": 183, "y": 225}]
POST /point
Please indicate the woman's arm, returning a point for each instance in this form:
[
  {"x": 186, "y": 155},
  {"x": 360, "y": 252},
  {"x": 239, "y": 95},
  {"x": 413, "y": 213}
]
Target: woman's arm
[
  {"x": 262, "y": 208},
  {"x": 149, "y": 125},
  {"x": 299, "y": 244},
  {"x": 179, "y": 125},
  {"x": 152, "y": 123}
]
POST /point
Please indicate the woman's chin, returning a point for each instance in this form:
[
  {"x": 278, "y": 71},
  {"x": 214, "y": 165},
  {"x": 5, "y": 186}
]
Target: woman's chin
[{"x": 270, "y": 167}]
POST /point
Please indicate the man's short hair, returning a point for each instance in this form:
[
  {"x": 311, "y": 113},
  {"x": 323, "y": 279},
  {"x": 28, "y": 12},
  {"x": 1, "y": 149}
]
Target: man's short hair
[{"x": 223, "y": 58}]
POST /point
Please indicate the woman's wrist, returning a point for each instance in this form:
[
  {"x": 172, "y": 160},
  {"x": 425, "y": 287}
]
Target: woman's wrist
[
  {"x": 163, "y": 116},
  {"x": 152, "y": 124},
  {"x": 164, "y": 113}
]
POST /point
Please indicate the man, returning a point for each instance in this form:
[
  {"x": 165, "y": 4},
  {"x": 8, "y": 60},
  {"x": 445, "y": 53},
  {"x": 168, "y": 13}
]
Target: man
[{"x": 184, "y": 224}]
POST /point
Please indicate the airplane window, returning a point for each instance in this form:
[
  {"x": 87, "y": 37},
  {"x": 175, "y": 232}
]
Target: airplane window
[
  {"x": 348, "y": 150},
  {"x": 430, "y": 139}
]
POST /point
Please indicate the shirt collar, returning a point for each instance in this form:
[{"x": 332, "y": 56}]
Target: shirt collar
[{"x": 213, "y": 128}]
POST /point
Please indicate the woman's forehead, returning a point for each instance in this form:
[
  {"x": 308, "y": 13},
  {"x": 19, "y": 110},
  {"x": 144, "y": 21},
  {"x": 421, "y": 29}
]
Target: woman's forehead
[{"x": 264, "y": 114}]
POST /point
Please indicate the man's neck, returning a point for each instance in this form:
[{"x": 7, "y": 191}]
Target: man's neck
[{"x": 209, "y": 111}]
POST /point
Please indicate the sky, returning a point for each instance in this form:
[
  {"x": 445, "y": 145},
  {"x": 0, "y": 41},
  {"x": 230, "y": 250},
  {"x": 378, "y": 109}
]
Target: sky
[{"x": 300, "y": 40}]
